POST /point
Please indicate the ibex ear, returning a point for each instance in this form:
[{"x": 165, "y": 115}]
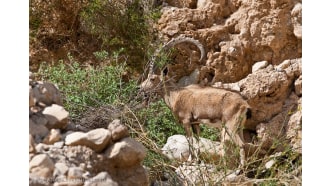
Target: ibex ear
[{"x": 165, "y": 71}]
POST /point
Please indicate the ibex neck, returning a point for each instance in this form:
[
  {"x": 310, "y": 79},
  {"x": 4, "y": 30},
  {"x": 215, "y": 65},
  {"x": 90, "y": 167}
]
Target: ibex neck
[{"x": 170, "y": 93}]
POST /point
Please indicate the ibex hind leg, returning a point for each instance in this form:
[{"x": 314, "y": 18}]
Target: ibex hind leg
[{"x": 236, "y": 135}]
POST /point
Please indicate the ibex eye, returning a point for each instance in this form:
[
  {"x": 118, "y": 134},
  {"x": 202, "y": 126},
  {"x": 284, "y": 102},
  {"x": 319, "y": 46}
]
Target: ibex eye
[{"x": 152, "y": 79}]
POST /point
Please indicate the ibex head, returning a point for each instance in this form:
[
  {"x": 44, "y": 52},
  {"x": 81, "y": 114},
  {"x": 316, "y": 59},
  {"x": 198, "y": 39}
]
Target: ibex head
[{"x": 154, "y": 82}]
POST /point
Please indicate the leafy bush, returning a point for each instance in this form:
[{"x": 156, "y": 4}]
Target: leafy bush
[
  {"x": 84, "y": 87},
  {"x": 122, "y": 24}
]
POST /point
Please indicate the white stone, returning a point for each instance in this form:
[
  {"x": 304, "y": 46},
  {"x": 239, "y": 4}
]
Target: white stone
[
  {"x": 259, "y": 65},
  {"x": 269, "y": 164},
  {"x": 177, "y": 147}
]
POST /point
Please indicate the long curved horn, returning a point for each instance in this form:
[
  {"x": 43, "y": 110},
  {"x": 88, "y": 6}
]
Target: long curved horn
[
  {"x": 171, "y": 44},
  {"x": 182, "y": 39}
]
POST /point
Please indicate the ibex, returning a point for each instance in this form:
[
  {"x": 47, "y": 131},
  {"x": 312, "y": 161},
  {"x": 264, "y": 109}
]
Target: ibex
[{"x": 194, "y": 104}]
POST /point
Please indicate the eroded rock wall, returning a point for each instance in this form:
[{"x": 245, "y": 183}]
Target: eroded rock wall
[{"x": 236, "y": 34}]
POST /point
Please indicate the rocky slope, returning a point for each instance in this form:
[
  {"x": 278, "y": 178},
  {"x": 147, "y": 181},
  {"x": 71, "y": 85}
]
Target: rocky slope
[{"x": 60, "y": 155}]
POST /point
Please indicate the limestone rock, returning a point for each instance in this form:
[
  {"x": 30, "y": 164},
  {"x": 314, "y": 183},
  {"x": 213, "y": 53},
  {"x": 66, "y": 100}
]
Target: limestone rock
[
  {"x": 53, "y": 136},
  {"x": 57, "y": 116},
  {"x": 117, "y": 130},
  {"x": 228, "y": 86},
  {"x": 60, "y": 169},
  {"x": 294, "y": 131},
  {"x": 96, "y": 139},
  {"x": 42, "y": 148},
  {"x": 226, "y": 31},
  {"x": 38, "y": 131},
  {"x": 177, "y": 147},
  {"x": 41, "y": 166},
  {"x": 259, "y": 65},
  {"x": 130, "y": 176},
  {"x": 125, "y": 153},
  {"x": 75, "y": 173},
  {"x": 101, "y": 179},
  {"x": 266, "y": 91},
  {"x": 296, "y": 18},
  {"x": 298, "y": 86},
  {"x": 197, "y": 174},
  {"x": 31, "y": 144},
  {"x": 46, "y": 94}
]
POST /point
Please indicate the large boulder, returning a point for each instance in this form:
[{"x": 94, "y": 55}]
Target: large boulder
[
  {"x": 44, "y": 94},
  {"x": 177, "y": 147},
  {"x": 41, "y": 166},
  {"x": 126, "y": 153}
]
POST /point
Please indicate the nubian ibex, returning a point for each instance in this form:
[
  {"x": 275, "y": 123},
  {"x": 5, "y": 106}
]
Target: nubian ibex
[{"x": 195, "y": 104}]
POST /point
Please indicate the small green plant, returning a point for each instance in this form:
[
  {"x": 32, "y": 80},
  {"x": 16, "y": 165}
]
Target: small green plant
[{"x": 101, "y": 55}]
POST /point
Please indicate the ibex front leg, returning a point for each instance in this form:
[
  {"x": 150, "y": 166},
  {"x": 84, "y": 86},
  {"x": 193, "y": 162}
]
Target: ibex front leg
[{"x": 188, "y": 127}]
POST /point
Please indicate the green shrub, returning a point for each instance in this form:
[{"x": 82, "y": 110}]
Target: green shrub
[{"x": 83, "y": 87}]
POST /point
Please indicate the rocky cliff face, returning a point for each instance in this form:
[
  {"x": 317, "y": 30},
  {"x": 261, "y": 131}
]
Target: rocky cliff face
[
  {"x": 252, "y": 46},
  {"x": 235, "y": 33}
]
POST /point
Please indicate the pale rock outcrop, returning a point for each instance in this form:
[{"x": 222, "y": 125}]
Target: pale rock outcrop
[
  {"x": 96, "y": 139},
  {"x": 233, "y": 38},
  {"x": 266, "y": 91},
  {"x": 57, "y": 116},
  {"x": 273, "y": 135},
  {"x": 125, "y": 153}
]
